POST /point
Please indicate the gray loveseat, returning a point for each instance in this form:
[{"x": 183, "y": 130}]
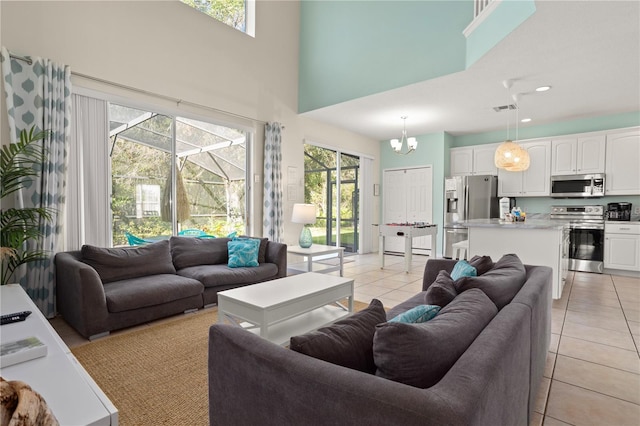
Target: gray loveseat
[
  {"x": 493, "y": 382},
  {"x": 103, "y": 289}
]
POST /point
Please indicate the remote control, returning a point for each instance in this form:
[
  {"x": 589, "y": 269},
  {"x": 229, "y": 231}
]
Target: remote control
[{"x": 15, "y": 317}]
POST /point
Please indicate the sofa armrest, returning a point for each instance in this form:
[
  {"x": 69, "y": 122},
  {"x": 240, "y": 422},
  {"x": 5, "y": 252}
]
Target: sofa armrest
[
  {"x": 433, "y": 267},
  {"x": 277, "y": 253},
  {"x": 80, "y": 294}
]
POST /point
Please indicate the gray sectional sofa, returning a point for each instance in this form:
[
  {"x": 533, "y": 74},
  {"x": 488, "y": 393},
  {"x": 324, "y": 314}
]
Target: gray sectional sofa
[
  {"x": 103, "y": 289},
  {"x": 493, "y": 380}
]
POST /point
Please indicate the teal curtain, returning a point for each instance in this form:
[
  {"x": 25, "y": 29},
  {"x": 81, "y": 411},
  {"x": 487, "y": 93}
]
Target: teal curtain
[
  {"x": 272, "y": 213},
  {"x": 38, "y": 92}
]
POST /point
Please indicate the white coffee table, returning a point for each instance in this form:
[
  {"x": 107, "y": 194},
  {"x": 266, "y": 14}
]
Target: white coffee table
[{"x": 279, "y": 309}]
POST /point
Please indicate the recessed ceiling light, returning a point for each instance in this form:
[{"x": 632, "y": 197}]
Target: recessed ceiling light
[
  {"x": 525, "y": 120},
  {"x": 543, "y": 88}
]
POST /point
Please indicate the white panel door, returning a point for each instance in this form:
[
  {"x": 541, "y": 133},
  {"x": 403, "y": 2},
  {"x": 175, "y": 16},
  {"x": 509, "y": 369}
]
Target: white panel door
[
  {"x": 408, "y": 197},
  {"x": 395, "y": 205},
  {"x": 420, "y": 202}
]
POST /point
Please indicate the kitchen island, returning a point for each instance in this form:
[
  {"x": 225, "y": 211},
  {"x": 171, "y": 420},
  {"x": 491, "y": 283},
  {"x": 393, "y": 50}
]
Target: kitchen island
[{"x": 535, "y": 241}]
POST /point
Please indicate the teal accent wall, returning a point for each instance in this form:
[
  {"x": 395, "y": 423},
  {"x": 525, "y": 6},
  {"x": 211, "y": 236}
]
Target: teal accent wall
[
  {"x": 432, "y": 149},
  {"x": 351, "y": 49},
  {"x": 506, "y": 17}
]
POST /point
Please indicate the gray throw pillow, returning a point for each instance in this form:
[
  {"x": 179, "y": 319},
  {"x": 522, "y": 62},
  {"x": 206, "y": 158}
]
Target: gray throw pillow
[
  {"x": 348, "y": 342},
  {"x": 481, "y": 263},
  {"x": 190, "y": 251},
  {"x": 421, "y": 354},
  {"x": 442, "y": 291},
  {"x": 121, "y": 263},
  {"x": 501, "y": 283}
]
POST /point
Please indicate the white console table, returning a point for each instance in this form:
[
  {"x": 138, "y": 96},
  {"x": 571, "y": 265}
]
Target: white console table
[
  {"x": 408, "y": 232},
  {"x": 72, "y": 395}
]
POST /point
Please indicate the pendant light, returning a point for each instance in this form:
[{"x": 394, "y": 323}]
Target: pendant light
[
  {"x": 397, "y": 144},
  {"x": 509, "y": 155}
]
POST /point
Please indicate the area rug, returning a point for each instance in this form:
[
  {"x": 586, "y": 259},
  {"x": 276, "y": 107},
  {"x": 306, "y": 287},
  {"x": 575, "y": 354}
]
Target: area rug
[{"x": 157, "y": 375}]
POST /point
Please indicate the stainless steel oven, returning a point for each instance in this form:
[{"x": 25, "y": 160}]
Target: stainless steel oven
[{"x": 586, "y": 236}]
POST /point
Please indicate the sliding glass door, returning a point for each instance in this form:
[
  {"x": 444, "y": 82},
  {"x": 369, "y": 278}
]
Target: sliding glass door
[
  {"x": 331, "y": 184},
  {"x": 174, "y": 175}
]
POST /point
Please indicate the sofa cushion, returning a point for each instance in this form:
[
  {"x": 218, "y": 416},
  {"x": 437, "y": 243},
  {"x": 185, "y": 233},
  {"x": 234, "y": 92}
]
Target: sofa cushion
[
  {"x": 188, "y": 251},
  {"x": 421, "y": 313},
  {"x": 463, "y": 269},
  {"x": 243, "y": 252},
  {"x": 481, "y": 263},
  {"x": 222, "y": 275},
  {"x": 347, "y": 342},
  {"x": 262, "y": 251},
  {"x": 114, "y": 264},
  {"x": 501, "y": 283},
  {"x": 421, "y": 354},
  {"x": 442, "y": 291},
  {"x": 136, "y": 293}
]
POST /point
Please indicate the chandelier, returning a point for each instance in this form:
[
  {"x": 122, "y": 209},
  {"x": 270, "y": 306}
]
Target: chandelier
[
  {"x": 509, "y": 155},
  {"x": 397, "y": 144}
]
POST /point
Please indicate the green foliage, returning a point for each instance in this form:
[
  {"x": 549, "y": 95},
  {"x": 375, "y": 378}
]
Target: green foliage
[
  {"x": 231, "y": 12},
  {"x": 18, "y": 168}
]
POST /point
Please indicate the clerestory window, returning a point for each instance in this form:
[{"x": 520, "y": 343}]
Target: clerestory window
[{"x": 238, "y": 14}]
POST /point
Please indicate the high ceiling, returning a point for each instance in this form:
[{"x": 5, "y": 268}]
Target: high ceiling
[{"x": 588, "y": 51}]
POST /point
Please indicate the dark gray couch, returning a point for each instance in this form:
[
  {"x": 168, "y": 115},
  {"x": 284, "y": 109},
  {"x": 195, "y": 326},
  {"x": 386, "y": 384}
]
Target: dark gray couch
[
  {"x": 103, "y": 289},
  {"x": 494, "y": 382}
]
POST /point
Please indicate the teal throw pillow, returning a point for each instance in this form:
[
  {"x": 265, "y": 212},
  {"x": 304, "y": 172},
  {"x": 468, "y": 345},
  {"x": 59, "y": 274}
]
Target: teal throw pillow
[
  {"x": 232, "y": 235},
  {"x": 421, "y": 313},
  {"x": 463, "y": 269},
  {"x": 243, "y": 252}
]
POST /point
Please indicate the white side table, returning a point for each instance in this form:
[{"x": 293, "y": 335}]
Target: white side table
[{"x": 314, "y": 252}]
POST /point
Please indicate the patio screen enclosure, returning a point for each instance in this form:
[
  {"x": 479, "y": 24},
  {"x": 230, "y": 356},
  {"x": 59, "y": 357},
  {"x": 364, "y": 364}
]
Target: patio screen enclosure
[{"x": 156, "y": 159}]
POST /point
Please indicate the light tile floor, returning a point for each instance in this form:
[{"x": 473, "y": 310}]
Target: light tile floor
[{"x": 593, "y": 366}]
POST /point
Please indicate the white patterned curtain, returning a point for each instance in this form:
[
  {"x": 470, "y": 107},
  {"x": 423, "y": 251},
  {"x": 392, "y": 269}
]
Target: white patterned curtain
[
  {"x": 39, "y": 94},
  {"x": 273, "y": 223}
]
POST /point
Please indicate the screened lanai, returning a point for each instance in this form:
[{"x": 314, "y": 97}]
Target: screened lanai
[{"x": 208, "y": 181}]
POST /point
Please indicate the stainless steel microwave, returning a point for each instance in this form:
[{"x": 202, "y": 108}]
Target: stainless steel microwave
[{"x": 577, "y": 186}]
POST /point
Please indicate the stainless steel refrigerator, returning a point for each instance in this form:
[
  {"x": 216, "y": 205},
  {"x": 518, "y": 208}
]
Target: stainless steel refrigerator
[{"x": 465, "y": 198}]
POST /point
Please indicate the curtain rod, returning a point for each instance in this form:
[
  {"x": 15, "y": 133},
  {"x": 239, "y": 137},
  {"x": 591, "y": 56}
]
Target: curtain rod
[
  {"x": 21, "y": 58},
  {"x": 165, "y": 97},
  {"x": 145, "y": 92}
]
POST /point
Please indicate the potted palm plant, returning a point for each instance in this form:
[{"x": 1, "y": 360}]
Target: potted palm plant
[{"x": 20, "y": 225}]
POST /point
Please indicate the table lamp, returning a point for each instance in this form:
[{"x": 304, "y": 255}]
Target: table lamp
[{"x": 305, "y": 214}]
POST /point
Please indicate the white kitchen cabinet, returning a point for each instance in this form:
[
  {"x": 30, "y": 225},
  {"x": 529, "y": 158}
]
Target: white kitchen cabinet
[
  {"x": 578, "y": 155},
  {"x": 408, "y": 198},
  {"x": 622, "y": 246},
  {"x": 473, "y": 160},
  {"x": 622, "y": 159},
  {"x": 534, "y": 182},
  {"x": 461, "y": 161}
]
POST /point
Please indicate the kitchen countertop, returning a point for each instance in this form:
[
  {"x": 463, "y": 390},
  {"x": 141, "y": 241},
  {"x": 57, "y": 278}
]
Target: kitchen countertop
[{"x": 527, "y": 224}]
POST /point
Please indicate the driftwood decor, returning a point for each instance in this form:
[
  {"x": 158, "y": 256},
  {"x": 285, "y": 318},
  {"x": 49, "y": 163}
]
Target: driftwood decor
[{"x": 22, "y": 406}]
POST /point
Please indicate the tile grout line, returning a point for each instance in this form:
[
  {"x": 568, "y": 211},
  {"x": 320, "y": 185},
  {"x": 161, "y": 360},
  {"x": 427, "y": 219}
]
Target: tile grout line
[
  {"x": 594, "y": 391},
  {"x": 624, "y": 314}
]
